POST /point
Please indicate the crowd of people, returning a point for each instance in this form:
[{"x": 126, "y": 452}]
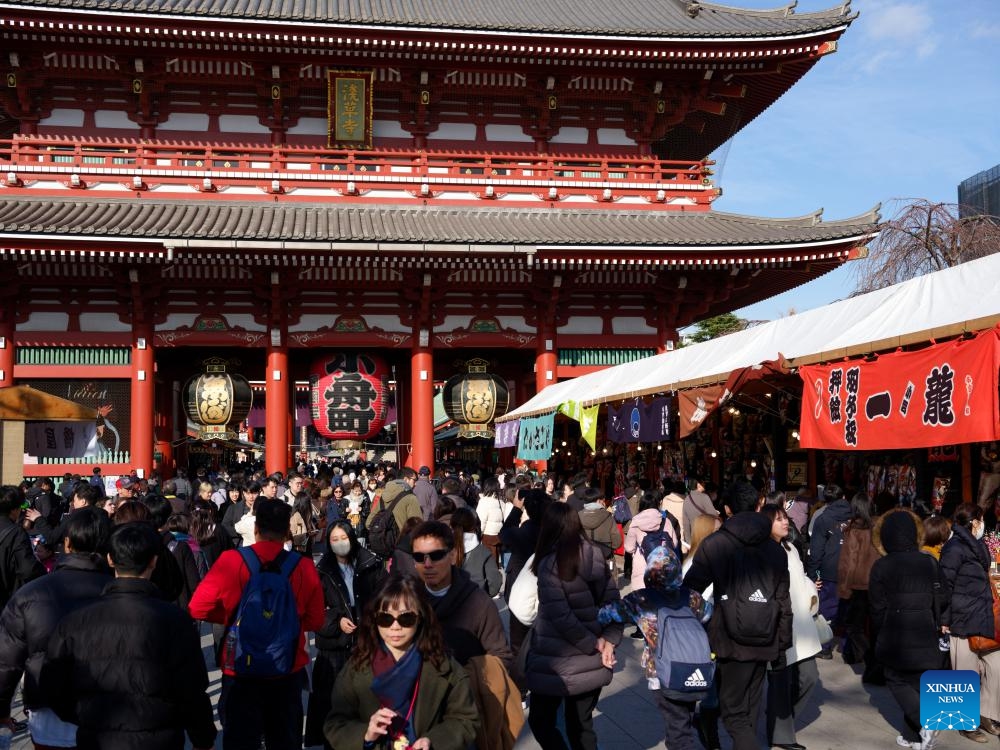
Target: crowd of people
[{"x": 376, "y": 590}]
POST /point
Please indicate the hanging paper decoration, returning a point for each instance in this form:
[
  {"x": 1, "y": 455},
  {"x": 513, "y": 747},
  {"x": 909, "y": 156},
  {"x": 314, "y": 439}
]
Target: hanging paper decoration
[{"x": 347, "y": 395}]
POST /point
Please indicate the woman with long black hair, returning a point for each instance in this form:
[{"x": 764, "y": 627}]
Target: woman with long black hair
[
  {"x": 571, "y": 654},
  {"x": 350, "y": 575}
]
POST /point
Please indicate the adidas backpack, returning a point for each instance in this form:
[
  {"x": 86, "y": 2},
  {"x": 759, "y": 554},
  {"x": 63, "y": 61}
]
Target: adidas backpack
[
  {"x": 264, "y": 636},
  {"x": 749, "y": 607},
  {"x": 683, "y": 660}
]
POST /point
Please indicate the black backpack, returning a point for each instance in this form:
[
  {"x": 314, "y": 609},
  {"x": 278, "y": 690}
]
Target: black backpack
[
  {"x": 384, "y": 531},
  {"x": 749, "y": 604}
]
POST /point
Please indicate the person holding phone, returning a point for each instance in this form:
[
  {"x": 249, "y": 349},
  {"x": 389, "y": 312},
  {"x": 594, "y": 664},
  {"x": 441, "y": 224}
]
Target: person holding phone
[{"x": 401, "y": 690}]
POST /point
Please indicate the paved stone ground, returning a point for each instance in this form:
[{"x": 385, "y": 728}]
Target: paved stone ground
[{"x": 844, "y": 714}]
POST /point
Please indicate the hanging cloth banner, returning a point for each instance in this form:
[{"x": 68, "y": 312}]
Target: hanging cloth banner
[
  {"x": 694, "y": 406},
  {"x": 506, "y": 434},
  {"x": 655, "y": 424},
  {"x": 697, "y": 403},
  {"x": 534, "y": 440},
  {"x": 588, "y": 425},
  {"x": 636, "y": 422},
  {"x": 945, "y": 394}
]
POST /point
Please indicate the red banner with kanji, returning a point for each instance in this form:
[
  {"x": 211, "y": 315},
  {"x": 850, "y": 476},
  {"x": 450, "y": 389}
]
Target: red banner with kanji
[{"x": 945, "y": 394}]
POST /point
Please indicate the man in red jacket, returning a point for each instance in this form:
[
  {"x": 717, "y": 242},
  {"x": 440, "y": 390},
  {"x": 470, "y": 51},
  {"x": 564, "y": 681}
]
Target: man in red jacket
[{"x": 251, "y": 707}]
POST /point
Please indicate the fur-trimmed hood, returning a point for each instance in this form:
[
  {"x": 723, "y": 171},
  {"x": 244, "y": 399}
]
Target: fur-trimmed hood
[{"x": 880, "y": 522}]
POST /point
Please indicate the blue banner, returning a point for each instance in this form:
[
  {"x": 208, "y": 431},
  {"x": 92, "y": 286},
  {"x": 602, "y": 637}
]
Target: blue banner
[{"x": 534, "y": 440}]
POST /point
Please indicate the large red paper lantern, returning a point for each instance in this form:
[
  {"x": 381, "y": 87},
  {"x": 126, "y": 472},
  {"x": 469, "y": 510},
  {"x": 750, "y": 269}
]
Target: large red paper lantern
[{"x": 347, "y": 395}]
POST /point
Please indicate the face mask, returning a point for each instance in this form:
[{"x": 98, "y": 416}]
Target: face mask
[
  {"x": 978, "y": 533},
  {"x": 341, "y": 548}
]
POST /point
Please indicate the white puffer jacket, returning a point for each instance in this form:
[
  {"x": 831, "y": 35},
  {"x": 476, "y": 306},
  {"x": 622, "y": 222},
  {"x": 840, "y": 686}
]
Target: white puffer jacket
[{"x": 805, "y": 604}]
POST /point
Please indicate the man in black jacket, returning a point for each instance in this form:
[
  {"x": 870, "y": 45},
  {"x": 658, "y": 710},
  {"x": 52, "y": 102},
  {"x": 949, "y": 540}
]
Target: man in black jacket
[
  {"x": 741, "y": 668},
  {"x": 128, "y": 669},
  {"x": 468, "y": 617},
  {"x": 31, "y": 616},
  {"x": 18, "y": 563}
]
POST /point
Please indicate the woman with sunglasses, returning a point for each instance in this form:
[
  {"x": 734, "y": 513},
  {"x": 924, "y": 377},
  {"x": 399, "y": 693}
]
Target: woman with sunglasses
[
  {"x": 571, "y": 654},
  {"x": 400, "y": 689},
  {"x": 351, "y": 575}
]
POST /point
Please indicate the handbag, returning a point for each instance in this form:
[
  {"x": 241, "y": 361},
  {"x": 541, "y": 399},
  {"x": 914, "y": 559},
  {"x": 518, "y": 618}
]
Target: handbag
[
  {"x": 823, "y": 628},
  {"x": 980, "y": 644},
  {"x": 523, "y": 600}
]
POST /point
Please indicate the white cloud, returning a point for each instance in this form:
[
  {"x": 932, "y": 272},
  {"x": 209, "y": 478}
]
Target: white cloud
[
  {"x": 986, "y": 31},
  {"x": 897, "y": 22}
]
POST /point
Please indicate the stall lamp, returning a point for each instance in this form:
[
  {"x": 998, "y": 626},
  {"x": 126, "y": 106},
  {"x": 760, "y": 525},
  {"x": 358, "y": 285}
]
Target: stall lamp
[
  {"x": 795, "y": 434},
  {"x": 659, "y": 447},
  {"x": 564, "y": 443},
  {"x": 639, "y": 448},
  {"x": 604, "y": 451},
  {"x": 753, "y": 464},
  {"x": 714, "y": 454}
]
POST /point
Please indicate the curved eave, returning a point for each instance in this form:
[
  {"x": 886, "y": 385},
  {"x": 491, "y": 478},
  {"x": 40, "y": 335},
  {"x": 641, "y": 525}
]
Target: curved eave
[{"x": 593, "y": 20}]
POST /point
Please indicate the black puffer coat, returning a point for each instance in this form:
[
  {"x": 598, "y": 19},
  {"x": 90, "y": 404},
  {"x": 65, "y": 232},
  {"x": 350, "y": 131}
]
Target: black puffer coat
[
  {"x": 711, "y": 565},
  {"x": 563, "y": 658},
  {"x": 368, "y": 575},
  {"x": 30, "y": 618},
  {"x": 966, "y": 565},
  {"x": 908, "y": 597},
  {"x": 128, "y": 670}
]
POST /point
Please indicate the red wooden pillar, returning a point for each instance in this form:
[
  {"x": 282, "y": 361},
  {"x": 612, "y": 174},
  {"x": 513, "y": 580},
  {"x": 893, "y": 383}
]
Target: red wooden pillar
[
  {"x": 421, "y": 407},
  {"x": 8, "y": 354},
  {"x": 143, "y": 377},
  {"x": 164, "y": 429},
  {"x": 276, "y": 390}
]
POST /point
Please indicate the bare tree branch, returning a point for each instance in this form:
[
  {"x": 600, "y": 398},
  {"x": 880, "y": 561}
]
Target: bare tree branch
[{"x": 921, "y": 238}]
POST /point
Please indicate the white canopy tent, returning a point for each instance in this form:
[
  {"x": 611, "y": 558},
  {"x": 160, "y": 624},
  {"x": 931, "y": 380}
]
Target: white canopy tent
[{"x": 945, "y": 303}]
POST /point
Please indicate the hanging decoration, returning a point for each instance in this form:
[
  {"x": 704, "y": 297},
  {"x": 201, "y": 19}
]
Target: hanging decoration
[
  {"x": 217, "y": 401},
  {"x": 945, "y": 394},
  {"x": 348, "y": 395},
  {"x": 534, "y": 441},
  {"x": 475, "y": 399},
  {"x": 638, "y": 422}
]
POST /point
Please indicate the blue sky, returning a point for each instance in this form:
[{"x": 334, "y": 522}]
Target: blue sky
[{"x": 908, "y": 107}]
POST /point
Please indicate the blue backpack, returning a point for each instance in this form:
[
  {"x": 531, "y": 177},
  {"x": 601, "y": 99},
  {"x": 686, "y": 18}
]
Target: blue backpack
[
  {"x": 684, "y": 663},
  {"x": 660, "y": 537},
  {"x": 264, "y": 636},
  {"x": 622, "y": 511}
]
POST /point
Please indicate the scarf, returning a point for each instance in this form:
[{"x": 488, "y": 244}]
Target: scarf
[{"x": 395, "y": 685}]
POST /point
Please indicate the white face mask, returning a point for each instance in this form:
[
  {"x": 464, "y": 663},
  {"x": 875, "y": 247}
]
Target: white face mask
[
  {"x": 980, "y": 530},
  {"x": 341, "y": 548}
]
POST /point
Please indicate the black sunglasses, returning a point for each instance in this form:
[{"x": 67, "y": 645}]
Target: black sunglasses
[
  {"x": 436, "y": 556},
  {"x": 405, "y": 619}
]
